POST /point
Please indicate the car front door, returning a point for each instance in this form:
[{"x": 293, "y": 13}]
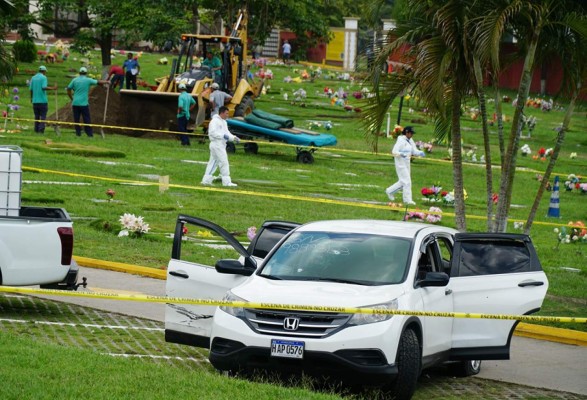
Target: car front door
[
  {"x": 492, "y": 274},
  {"x": 437, "y": 331},
  {"x": 187, "y": 278}
]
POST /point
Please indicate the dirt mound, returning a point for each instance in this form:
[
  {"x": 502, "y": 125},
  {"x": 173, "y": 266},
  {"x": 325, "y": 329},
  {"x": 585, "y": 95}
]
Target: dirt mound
[{"x": 115, "y": 114}]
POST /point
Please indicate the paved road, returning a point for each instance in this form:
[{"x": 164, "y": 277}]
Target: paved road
[{"x": 533, "y": 362}]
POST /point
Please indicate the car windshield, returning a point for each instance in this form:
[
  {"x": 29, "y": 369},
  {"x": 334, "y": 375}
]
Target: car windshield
[{"x": 340, "y": 257}]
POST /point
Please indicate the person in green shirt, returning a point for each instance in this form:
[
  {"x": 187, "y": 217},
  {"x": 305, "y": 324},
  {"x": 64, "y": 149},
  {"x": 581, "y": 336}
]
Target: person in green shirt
[
  {"x": 215, "y": 65},
  {"x": 38, "y": 87},
  {"x": 185, "y": 104},
  {"x": 78, "y": 91}
]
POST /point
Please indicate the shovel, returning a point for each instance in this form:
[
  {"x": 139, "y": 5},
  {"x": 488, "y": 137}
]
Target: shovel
[
  {"x": 105, "y": 110},
  {"x": 57, "y": 127}
]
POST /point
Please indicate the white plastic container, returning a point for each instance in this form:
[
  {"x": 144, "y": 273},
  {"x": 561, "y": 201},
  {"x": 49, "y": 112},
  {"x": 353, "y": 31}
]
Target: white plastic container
[{"x": 10, "y": 180}]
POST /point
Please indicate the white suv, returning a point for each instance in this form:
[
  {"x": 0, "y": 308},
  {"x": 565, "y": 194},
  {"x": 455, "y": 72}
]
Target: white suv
[{"x": 356, "y": 263}]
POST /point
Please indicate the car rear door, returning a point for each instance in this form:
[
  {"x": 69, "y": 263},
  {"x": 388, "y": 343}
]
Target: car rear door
[
  {"x": 186, "y": 278},
  {"x": 492, "y": 274}
]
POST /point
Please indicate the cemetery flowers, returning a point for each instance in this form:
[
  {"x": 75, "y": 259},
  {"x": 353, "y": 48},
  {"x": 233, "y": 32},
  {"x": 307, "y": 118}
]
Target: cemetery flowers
[
  {"x": 132, "y": 225},
  {"x": 432, "y": 216},
  {"x": 574, "y": 232}
]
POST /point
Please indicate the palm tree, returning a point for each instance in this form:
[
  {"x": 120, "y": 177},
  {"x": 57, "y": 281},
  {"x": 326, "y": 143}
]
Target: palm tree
[
  {"x": 569, "y": 41},
  {"x": 438, "y": 66},
  {"x": 529, "y": 20}
]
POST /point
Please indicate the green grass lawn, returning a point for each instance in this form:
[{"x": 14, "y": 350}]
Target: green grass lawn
[{"x": 346, "y": 181}]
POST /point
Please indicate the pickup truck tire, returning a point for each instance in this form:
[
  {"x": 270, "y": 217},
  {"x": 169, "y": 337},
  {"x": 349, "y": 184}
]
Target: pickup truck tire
[
  {"x": 466, "y": 368},
  {"x": 408, "y": 362}
]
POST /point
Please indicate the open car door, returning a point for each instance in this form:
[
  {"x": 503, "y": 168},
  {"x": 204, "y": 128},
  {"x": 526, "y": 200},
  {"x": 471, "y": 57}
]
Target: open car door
[
  {"x": 492, "y": 273},
  {"x": 192, "y": 324}
]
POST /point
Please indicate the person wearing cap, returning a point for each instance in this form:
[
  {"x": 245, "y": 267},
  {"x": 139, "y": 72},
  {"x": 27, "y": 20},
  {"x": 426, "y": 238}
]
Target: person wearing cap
[
  {"x": 78, "y": 91},
  {"x": 185, "y": 104},
  {"x": 218, "y": 98},
  {"x": 132, "y": 68},
  {"x": 38, "y": 87},
  {"x": 214, "y": 63},
  {"x": 219, "y": 134},
  {"x": 402, "y": 151}
]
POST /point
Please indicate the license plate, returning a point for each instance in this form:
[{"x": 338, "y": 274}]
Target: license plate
[{"x": 287, "y": 348}]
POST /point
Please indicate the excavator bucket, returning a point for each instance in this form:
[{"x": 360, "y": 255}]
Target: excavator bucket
[{"x": 153, "y": 111}]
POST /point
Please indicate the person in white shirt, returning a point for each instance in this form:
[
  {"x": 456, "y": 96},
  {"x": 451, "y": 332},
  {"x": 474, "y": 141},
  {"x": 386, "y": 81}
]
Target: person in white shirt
[
  {"x": 219, "y": 134},
  {"x": 286, "y": 51},
  {"x": 402, "y": 151},
  {"x": 218, "y": 98}
]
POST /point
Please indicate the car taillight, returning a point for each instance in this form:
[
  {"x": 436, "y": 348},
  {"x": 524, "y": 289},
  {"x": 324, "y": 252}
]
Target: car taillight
[{"x": 66, "y": 236}]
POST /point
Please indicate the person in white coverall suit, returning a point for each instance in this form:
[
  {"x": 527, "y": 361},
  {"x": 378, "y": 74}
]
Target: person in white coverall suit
[
  {"x": 402, "y": 151},
  {"x": 219, "y": 134}
]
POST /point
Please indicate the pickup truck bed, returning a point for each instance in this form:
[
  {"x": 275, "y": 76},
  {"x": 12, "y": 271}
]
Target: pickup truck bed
[{"x": 36, "y": 248}]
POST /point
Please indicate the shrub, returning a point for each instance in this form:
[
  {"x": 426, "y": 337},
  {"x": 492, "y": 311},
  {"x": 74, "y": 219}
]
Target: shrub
[{"x": 25, "y": 51}]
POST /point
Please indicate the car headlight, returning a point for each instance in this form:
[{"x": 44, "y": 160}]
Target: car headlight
[
  {"x": 238, "y": 312},
  {"x": 362, "y": 319}
]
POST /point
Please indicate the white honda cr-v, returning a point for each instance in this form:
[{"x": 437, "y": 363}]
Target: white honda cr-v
[{"x": 384, "y": 265}]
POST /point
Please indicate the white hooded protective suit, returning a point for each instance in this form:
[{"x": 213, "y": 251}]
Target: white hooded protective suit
[
  {"x": 219, "y": 134},
  {"x": 403, "y": 149}
]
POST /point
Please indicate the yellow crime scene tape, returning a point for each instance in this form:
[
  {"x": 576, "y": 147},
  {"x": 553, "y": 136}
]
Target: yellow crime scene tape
[
  {"x": 271, "y": 195},
  {"x": 338, "y": 150},
  {"x": 292, "y": 307}
]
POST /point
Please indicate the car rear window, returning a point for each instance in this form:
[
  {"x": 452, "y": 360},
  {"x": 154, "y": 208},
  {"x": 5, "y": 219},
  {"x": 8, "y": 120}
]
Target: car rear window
[
  {"x": 267, "y": 239},
  {"x": 484, "y": 257}
]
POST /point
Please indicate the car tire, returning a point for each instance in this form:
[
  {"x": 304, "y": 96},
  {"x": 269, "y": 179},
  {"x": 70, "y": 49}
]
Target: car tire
[
  {"x": 408, "y": 361},
  {"x": 466, "y": 368}
]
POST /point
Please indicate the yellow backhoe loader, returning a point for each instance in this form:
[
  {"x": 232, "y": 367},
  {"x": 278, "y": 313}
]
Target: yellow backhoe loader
[{"x": 157, "y": 110}]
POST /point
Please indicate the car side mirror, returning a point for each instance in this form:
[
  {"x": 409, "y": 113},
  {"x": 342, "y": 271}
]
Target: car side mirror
[
  {"x": 434, "y": 279},
  {"x": 234, "y": 267}
]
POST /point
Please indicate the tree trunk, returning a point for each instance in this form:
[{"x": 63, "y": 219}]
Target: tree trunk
[
  {"x": 457, "y": 162},
  {"x": 509, "y": 167},
  {"x": 105, "y": 42},
  {"x": 486, "y": 144},
  {"x": 498, "y": 117},
  {"x": 557, "y": 147}
]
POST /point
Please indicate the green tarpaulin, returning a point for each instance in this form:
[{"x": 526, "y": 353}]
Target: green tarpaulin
[
  {"x": 265, "y": 123},
  {"x": 282, "y": 121}
]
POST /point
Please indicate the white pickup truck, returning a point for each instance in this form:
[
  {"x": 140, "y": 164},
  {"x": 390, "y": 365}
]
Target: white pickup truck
[
  {"x": 36, "y": 248},
  {"x": 375, "y": 264},
  {"x": 36, "y": 243}
]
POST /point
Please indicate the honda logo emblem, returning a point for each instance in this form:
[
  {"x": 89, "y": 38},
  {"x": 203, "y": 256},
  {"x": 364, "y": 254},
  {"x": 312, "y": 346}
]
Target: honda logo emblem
[{"x": 291, "y": 323}]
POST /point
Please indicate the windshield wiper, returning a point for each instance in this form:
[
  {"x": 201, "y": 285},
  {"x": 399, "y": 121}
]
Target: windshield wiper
[
  {"x": 336, "y": 280},
  {"x": 272, "y": 277}
]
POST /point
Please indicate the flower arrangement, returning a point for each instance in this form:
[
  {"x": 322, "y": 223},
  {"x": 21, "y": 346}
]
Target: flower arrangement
[
  {"x": 574, "y": 232},
  {"x": 397, "y": 130},
  {"x": 10, "y": 103},
  {"x": 132, "y": 225},
  {"x": 424, "y": 146},
  {"x": 431, "y": 193},
  {"x": 525, "y": 149},
  {"x": 572, "y": 182},
  {"x": 110, "y": 194},
  {"x": 251, "y": 232},
  {"x": 448, "y": 198},
  {"x": 433, "y": 215},
  {"x": 573, "y": 155}
]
